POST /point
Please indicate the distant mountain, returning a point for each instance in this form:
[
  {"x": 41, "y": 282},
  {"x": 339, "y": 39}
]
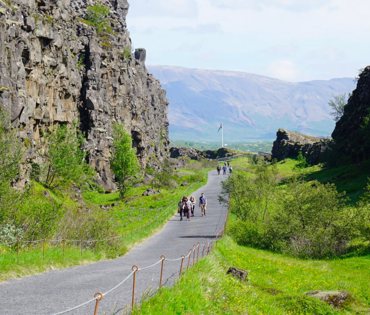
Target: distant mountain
[{"x": 251, "y": 107}]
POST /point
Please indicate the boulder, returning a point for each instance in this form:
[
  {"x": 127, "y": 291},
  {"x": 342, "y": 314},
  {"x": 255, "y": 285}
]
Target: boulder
[
  {"x": 334, "y": 298},
  {"x": 150, "y": 192},
  {"x": 238, "y": 273}
]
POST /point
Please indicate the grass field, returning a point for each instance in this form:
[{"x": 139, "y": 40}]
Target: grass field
[{"x": 276, "y": 285}]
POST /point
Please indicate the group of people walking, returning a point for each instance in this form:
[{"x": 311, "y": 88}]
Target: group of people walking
[
  {"x": 186, "y": 206},
  {"x": 226, "y": 167}
]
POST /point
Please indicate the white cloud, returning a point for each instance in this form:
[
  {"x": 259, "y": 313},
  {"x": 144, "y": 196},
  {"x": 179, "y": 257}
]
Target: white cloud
[
  {"x": 326, "y": 38},
  {"x": 284, "y": 70}
]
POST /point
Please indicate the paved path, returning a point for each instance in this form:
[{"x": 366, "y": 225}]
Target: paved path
[{"x": 56, "y": 291}]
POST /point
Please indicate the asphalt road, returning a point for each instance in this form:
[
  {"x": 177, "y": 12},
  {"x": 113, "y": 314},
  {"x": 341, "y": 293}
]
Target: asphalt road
[{"x": 59, "y": 290}]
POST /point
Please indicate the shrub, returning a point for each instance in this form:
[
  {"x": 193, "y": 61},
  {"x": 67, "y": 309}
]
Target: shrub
[
  {"x": 302, "y": 161},
  {"x": 10, "y": 234},
  {"x": 313, "y": 221},
  {"x": 38, "y": 215},
  {"x": 305, "y": 219},
  {"x": 124, "y": 162},
  {"x": 65, "y": 158},
  {"x": 97, "y": 16}
]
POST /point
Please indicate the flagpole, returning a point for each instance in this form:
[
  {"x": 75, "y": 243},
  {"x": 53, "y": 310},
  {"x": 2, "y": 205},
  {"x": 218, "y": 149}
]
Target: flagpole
[{"x": 222, "y": 135}]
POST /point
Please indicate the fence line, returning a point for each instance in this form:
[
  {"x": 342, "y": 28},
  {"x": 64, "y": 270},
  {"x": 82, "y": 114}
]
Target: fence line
[
  {"x": 98, "y": 297},
  {"x": 59, "y": 241}
]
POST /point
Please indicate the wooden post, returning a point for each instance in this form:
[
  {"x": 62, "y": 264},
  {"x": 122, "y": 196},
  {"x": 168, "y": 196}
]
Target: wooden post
[
  {"x": 194, "y": 255},
  {"x": 134, "y": 269},
  {"x": 187, "y": 267},
  {"x": 182, "y": 263},
  {"x": 161, "y": 275},
  {"x": 98, "y": 297}
]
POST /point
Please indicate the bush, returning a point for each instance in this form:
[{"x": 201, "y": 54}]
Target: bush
[
  {"x": 97, "y": 16},
  {"x": 305, "y": 219},
  {"x": 124, "y": 162},
  {"x": 65, "y": 158},
  {"x": 302, "y": 161},
  {"x": 313, "y": 221},
  {"x": 10, "y": 234},
  {"x": 38, "y": 215}
]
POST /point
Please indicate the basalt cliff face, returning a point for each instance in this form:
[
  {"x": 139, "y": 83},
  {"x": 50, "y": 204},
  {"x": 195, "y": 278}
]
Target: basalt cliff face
[
  {"x": 289, "y": 144},
  {"x": 57, "y": 68},
  {"x": 352, "y": 132}
]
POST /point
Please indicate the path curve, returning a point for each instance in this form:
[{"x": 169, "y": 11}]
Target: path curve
[{"x": 56, "y": 291}]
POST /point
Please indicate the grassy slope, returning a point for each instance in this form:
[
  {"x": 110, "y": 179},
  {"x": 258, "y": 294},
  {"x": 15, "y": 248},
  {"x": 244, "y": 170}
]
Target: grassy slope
[
  {"x": 277, "y": 283},
  {"x": 136, "y": 218}
]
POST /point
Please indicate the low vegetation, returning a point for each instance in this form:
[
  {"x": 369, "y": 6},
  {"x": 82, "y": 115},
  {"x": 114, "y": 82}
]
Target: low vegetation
[
  {"x": 276, "y": 285},
  {"x": 291, "y": 215}
]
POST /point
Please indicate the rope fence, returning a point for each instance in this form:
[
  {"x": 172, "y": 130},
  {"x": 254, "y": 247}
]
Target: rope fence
[{"x": 192, "y": 258}]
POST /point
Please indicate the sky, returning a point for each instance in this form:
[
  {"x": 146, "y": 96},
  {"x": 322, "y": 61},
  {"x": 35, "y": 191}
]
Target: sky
[{"x": 293, "y": 40}]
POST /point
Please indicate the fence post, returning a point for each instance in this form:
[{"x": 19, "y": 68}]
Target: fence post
[
  {"x": 182, "y": 263},
  {"x": 134, "y": 269},
  {"x": 161, "y": 275},
  {"x": 187, "y": 267},
  {"x": 80, "y": 247},
  {"x": 193, "y": 255},
  {"x": 98, "y": 297}
]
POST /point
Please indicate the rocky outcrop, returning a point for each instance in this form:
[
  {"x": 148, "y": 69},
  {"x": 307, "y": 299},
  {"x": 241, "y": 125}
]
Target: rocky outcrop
[
  {"x": 288, "y": 145},
  {"x": 56, "y": 67},
  {"x": 195, "y": 154},
  {"x": 352, "y": 132},
  {"x": 191, "y": 153}
]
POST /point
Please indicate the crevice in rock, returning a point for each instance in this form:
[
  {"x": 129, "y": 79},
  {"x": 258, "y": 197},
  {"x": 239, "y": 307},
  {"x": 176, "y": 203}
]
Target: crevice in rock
[
  {"x": 84, "y": 109},
  {"x": 137, "y": 142}
]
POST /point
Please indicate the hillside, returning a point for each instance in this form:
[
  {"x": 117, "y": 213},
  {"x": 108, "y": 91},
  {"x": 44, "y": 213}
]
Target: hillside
[{"x": 252, "y": 107}]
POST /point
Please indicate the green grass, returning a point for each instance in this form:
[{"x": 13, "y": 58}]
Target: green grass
[
  {"x": 135, "y": 218},
  {"x": 276, "y": 285}
]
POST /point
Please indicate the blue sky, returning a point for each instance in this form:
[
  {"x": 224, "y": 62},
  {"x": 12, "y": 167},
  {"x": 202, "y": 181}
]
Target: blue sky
[{"x": 294, "y": 40}]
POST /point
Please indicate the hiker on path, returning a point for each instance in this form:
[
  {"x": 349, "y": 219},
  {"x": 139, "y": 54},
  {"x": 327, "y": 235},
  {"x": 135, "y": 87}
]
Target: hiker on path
[
  {"x": 218, "y": 169},
  {"x": 224, "y": 169},
  {"x": 185, "y": 208},
  {"x": 203, "y": 204},
  {"x": 230, "y": 169},
  {"x": 192, "y": 200}
]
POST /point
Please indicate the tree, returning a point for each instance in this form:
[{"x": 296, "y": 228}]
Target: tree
[
  {"x": 124, "y": 162},
  {"x": 337, "y": 105},
  {"x": 66, "y": 159}
]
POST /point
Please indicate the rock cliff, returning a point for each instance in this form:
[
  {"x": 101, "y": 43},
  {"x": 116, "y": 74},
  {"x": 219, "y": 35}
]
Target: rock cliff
[
  {"x": 352, "y": 132},
  {"x": 60, "y": 65},
  {"x": 288, "y": 145}
]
